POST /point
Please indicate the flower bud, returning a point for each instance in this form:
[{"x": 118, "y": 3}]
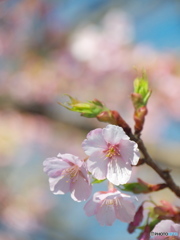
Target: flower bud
[
  {"x": 167, "y": 211},
  {"x": 140, "y": 98},
  {"x": 145, "y": 234},
  {"x": 87, "y": 109},
  {"x": 139, "y": 117},
  {"x": 114, "y": 117},
  {"x": 107, "y": 116},
  {"x": 143, "y": 187},
  {"x": 138, "y": 217},
  {"x": 141, "y": 90}
]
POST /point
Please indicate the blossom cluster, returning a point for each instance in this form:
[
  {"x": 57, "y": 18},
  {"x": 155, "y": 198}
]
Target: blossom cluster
[{"x": 111, "y": 155}]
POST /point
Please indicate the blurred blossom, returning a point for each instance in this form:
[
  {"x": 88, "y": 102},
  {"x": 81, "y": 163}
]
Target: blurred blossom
[
  {"x": 120, "y": 27},
  {"x": 84, "y": 43},
  {"x": 101, "y": 45},
  {"x": 18, "y": 130},
  {"x": 98, "y": 57},
  {"x": 19, "y": 219},
  {"x": 8, "y": 236},
  {"x": 26, "y": 212}
]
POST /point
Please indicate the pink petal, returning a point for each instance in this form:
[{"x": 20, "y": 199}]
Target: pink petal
[
  {"x": 113, "y": 134},
  {"x": 106, "y": 214},
  {"x": 84, "y": 172},
  {"x": 90, "y": 207},
  {"x": 97, "y": 165},
  {"x": 60, "y": 185},
  {"x": 119, "y": 172},
  {"x": 175, "y": 228},
  {"x": 54, "y": 167},
  {"x": 163, "y": 226},
  {"x": 125, "y": 209},
  {"x": 129, "y": 151},
  {"x": 94, "y": 142},
  {"x": 69, "y": 158},
  {"x": 166, "y": 226},
  {"x": 103, "y": 195},
  {"x": 80, "y": 189}
]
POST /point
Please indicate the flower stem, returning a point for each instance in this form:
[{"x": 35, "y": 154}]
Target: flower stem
[
  {"x": 164, "y": 174},
  {"x": 110, "y": 186}
]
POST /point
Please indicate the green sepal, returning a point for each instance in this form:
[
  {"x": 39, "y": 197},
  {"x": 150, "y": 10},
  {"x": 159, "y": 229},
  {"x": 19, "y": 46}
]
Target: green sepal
[
  {"x": 88, "y": 109},
  {"x": 97, "y": 181},
  {"x": 135, "y": 188},
  {"x": 153, "y": 223},
  {"x": 141, "y": 87}
]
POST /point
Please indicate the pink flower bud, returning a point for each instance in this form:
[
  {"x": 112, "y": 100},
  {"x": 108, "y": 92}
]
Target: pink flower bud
[
  {"x": 145, "y": 234},
  {"x": 138, "y": 217}
]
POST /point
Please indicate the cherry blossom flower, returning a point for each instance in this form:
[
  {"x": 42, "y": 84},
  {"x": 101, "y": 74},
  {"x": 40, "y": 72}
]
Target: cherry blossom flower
[
  {"x": 67, "y": 173},
  {"x": 111, "y": 154},
  {"x": 167, "y": 226},
  {"x": 111, "y": 205}
]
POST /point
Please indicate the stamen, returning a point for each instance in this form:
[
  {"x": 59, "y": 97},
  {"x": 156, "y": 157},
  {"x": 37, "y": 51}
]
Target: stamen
[
  {"x": 109, "y": 201},
  {"x": 72, "y": 171},
  {"x": 113, "y": 150},
  {"x": 114, "y": 201}
]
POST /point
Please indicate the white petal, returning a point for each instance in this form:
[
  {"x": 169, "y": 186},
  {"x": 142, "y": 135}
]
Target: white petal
[
  {"x": 175, "y": 228},
  {"x": 94, "y": 142},
  {"x": 163, "y": 226},
  {"x": 70, "y": 158},
  {"x": 113, "y": 134},
  {"x": 54, "y": 167},
  {"x": 90, "y": 207},
  {"x": 125, "y": 209},
  {"x": 129, "y": 151},
  {"x": 80, "y": 189},
  {"x": 106, "y": 214},
  {"x": 60, "y": 185},
  {"x": 102, "y": 195},
  {"x": 84, "y": 172},
  {"x": 119, "y": 172},
  {"x": 97, "y": 165}
]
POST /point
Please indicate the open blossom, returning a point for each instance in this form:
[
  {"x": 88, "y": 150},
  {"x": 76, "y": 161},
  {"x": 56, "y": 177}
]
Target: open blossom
[
  {"x": 167, "y": 226},
  {"x": 67, "y": 173},
  {"x": 111, "y": 205},
  {"x": 111, "y": 154}
]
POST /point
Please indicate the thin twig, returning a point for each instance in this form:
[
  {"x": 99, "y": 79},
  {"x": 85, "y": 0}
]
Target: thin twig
[{"x": 164, "y": 174}]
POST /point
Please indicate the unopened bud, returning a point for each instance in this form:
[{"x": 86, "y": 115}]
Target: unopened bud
[
  {"x": 114, "y": 117},
  {"x": 141, "y": 88},
  {"x": 138, "y": 217},
  {"x": 143, "y": 187},
  {"x": 87, "y": 109},
  {"x": 140, "y": 98},
  {"x": 145, "y": 234}
]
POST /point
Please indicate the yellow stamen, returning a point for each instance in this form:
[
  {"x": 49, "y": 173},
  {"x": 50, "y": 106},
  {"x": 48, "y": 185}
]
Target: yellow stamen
[{"x": 72, "y": 171}]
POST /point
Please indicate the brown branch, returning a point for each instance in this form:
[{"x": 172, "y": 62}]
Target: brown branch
[
  {"x": 164, "y": 174},
  {"x": 140, "y": 162}
]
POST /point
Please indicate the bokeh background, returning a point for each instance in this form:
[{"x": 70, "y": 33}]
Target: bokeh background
[{"x": 88, "y": 49}]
